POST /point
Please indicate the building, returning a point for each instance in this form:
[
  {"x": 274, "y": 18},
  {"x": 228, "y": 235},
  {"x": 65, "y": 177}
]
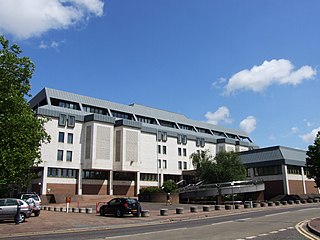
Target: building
[
  {"x": 282, "y": 170},
  {"x": 106, "y": 148}
]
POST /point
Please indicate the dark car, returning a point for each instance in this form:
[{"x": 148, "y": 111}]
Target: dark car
[
  {"x": 8, "y": 209},
  {"x": 121, "y": 206}
]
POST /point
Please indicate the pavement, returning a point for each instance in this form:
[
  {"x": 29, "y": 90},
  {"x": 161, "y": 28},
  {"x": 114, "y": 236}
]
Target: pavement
[{"x": 54, "y": 222}]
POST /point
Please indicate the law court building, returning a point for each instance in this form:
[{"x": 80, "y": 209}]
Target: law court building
[{"x": 105, "y": 148}]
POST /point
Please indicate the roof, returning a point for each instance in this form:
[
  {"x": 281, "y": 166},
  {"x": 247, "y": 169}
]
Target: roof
[{"x": 276, "y": 155}]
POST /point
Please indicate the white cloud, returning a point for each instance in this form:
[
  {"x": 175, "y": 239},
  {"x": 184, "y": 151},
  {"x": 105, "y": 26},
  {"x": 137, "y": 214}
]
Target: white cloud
[
  {"x": 248, "y": 124},
  {"x": 28, "y": 18},
  {"x": 309, "y": 137},
  {"x": 53, "y": 44},
  {"x": 222, "y": 114},
  {"x": 258, "y": 78},
  {"x": 294, "y": 130}
]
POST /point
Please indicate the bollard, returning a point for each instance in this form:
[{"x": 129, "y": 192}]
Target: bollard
[
  {"x": 179, "y": 210},
  {"x": 310, "y": 200},
  {"x": 51, "y": 209},
  {"x": 246, "y": 205},
  {"x": 263, "y": 204},
  {"x": 277, "y": 203},
  {"x": 237, "y": 206},
  {"x": 255, "y": 205},
  {"x": 206, "y": 208},
  {"x": 145, "y": 213},
  {"x": 227, "y": 207},
  {"x": 297, "y": 201},
  {"x": 194, "y": 209},
  {"x": 75, "y": 210},
  {"x": 270, "y": 204},
  {"x": 290, "y": 202},
  {"x": 217, "y": 207},
  {"x": 284, "y": 202},
  {"x": 88, "y": 210},
  {"x": 82, "y": 210},
  {"x": 57, "y": 209},
  {"x": 163, "y": 212}
]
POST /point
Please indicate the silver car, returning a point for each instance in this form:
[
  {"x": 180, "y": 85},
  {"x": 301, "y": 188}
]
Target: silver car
[
  {"x": 9, "y": 206},
  {"x": 34, "y": 202}
]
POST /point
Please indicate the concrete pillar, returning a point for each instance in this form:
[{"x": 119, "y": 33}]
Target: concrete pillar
[
  {"x": 79, "y": 190},
  {"x": 110, "y": 183},
  {"x": 286, "y": 189},
  {"x": 137, "y": 190},
  {"x": 44, "y": 179},
  {"x": 303, "y": 181}
]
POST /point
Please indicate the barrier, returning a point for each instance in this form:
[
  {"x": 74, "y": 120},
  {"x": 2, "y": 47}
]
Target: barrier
[
  {"x": 194, "y": 209},
  {"x": 145, "y": 213},
  {"x": 179, "y": 210},
  {"x": 163, "y": 212},
  {"x": 206, "y": 208}
]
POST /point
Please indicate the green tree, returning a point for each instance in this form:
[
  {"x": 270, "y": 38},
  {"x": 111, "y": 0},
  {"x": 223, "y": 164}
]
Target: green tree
[
  {"x": 169, "y": 186},
  {"x": 313, "y": 160},
  {"x": 21, "y": 132},
  {"x": 224, "y": 167}
]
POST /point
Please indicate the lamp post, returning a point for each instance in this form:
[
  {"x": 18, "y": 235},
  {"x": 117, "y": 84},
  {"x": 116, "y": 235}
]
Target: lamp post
[{"x": 232, "y": 184}]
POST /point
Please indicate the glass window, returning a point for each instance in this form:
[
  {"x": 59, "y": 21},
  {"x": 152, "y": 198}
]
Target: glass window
[
  {"x": 164, "y": 149},
  {"x": 159, "y": 163},
  {"x": 184, "y": 152},
  {"x": 164, "y": 136},
  {"x": 71, "y": 121},
  {"x": 69, "y": 156},
  {"x": 60, "y": 155},
  {"x": 164, "y": 164},
  {"x": 184, "y": 165},
  {"x": 179, "y": 165},
  {"x": 184, "y": 139},
  {"x": 179, "y": 151},
  {"x": 179, "y": 139},
  {"x": 61, "y": 137},
  {"x": 159, "y": 149},
  {"x": 70, "y": 138},
  {"x": 62, "y": 120}
]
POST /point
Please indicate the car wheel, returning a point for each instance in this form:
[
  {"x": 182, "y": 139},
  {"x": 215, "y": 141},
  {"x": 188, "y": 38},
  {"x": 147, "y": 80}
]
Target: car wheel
[
  {"x": 101, "y": 211},
  {"x": 36, "y": 214},
  {"x": 118, "y": 213},
  {"x": 22, "y": 218}
]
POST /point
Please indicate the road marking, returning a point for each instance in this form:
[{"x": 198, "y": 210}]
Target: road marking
[
  {"x": 218, "y": 223},
  {"x": 273, "y": 232},
  {"x": 275, "y": 214},
  {"x": 263, "y": 234},
  {"x": 304, "y": 232},
  {"x": 290, "y": 227},
  {"x": 251, "y": 237},
  {"x": 146, "y": 233},
  {"x": 282, "y": 229},
  {"x": 243, "y": 219}
]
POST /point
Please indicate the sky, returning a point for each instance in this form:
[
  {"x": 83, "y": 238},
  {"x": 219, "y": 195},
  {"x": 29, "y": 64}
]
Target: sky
[{"x": 249, "y": 65}]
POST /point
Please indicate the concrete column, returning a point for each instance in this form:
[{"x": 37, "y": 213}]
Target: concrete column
[
  {"x": 303, "y": 181},
  {"x": 44, "y": 179},
  {"x": 79, "y": 190},
  {"x": 286, "y": 189},
  {"x": 110, "y": 183},
  {"x": 137, "y": 190}
]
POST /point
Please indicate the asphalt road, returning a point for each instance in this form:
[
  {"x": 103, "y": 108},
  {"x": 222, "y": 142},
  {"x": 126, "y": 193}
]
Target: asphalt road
[{"x": 262, "y": 225}]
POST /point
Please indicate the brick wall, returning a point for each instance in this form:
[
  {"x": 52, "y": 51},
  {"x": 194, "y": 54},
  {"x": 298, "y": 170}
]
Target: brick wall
[
  {"x": 94, "y": 189},
  {"x": 273, "y": 188},
  {"x": 69, "y": 189},
  {"x": 310, "y": 187},
  {"x": 296, "y": 187}
]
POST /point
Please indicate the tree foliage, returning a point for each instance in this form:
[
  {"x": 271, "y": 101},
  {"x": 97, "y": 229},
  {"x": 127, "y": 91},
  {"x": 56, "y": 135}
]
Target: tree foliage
[
  {"x": 224, "y": 167},
  {"x": 313, "y": 160},
  {"x": 169, "y": 186},
  {"x": 21, "y": 132}
]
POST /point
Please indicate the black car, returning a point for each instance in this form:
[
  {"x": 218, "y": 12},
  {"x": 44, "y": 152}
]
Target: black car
[{"x": 121, "y": 206}]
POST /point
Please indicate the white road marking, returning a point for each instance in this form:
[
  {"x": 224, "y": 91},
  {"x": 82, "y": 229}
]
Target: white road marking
[
  {"x": 218, "y": 223},
  {"x": 251, "y": 237},
  {"x": 273, "y": 232},
  {"x": 243, "y": 219},
  {"x": 275, "y": 214},
  {"x": 263, "y": 234}
]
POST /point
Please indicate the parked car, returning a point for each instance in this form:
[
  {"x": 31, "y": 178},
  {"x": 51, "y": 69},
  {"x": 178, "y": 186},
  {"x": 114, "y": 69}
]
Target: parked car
[
  {"x": 121, "y": 206},
  {"x": 8, "y": 209},
  {"x": 34, "y": 201}
]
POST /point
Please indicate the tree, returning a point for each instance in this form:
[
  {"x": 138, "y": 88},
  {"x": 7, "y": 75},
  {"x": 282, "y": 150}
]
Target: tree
[
  {"x": 224, "y": 167},
  {"x": 169, "y": 186},
  {"x": 21, "y": 131},
  {"x": 313, "y": 160}
]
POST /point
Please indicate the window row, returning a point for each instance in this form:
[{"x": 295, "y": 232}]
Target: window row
[
  {"x": 62, "y": 172},
  {"x": 182, "y": 152},
  {"x": 270, "y": 170},
  {"x": 294, "y": 170},
  {"x": 148, "y": 177},
  {"x": 200, "y": 142},
  {"x": 69, "y": 137},
  {"x": 88, "y": 174},
  {"x": 161, "y": 136},
  {"x": 164, "y": 149},
  {"x": 67, "y": 120},
  {"x": 60, "y": 155},
  {"x": 162, "y": 164},
  {"x": 182, "y": 165}
]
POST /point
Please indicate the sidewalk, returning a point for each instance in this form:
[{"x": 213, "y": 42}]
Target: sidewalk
[
  {"x": 314, "y": 226},
  {"x": 55, "y": 222}
]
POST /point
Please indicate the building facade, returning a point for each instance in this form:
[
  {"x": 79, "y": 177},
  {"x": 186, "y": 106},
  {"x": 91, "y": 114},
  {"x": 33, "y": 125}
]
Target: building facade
[
  {"x": 282, "y": 170},
  {"x": 106, "y": 148}
]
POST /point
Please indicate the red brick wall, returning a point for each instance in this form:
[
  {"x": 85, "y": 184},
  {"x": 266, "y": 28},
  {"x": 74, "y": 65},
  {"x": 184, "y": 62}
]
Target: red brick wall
[
  {"x": 69, "y": 189},
  {"x": 310, "y": 187},
  {"x": 94, "y": 189},
  {"x": 124, "y": 190},
  {"x": 273, "y": 188},
  {"x": 296, "y": 187}
]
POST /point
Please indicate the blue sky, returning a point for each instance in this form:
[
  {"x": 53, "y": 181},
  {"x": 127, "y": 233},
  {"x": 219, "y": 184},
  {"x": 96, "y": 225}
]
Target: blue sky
[{"x": 250, "y": 65}]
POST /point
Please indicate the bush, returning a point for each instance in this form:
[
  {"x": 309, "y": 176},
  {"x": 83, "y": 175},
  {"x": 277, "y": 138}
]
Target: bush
[{"x": 169, "y": 186}]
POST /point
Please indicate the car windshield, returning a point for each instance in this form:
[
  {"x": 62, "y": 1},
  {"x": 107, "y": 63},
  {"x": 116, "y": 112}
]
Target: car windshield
[
  {"x": 27, "y": 196},
  {"x": 131, "y": 201}
]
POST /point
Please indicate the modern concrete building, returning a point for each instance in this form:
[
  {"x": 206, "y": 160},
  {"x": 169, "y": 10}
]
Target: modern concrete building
[
  {"x": 282, "y": 170},
  {"x": 101, "y": 147}
]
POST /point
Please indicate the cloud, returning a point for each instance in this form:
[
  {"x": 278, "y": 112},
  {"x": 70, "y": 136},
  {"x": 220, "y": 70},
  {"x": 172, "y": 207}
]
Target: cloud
[
  {"x": 258, "y": 78},
  {"x": 222, "y": 114},
  {"x": 248, "y": 124},
  {"x": 29, "y": 18},
  {"x": 294, "y": 130},
  {"x": 309, "y": 137},
  {"x": 53, "y": 44}
]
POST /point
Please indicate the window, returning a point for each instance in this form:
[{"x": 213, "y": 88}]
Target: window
[
  {"x": 70, "y": 138},
  {"x": 148, "y": 177},
  {"x": 60, "y": 155},
  {"x": 270, "y": 170},
  {"x": 179, "y": 151},
  {"x": 71, "y": 121},
  {"x": 200, "y": 142},
  {"x": 159, "y": 163},
  {"x": 184, "y": 139},
  {"x": 69, "y": 156},
  {"x": 159, "y": 149},
  {"x": 184, "y": 152},
  {"x": 62, "y": 120},
  {"x": 179, "y": 139},
  {"x": 62, "y": 172},
  {"x": 164, "y": 149},
  {"x": 164, "y": 162},
  {"x": 88, "y": 174},
  {"x": 294, "y": 170},
  {"x": 184, "y": 165},
  {"x": 161, "y": 136},
  {"x": 61, "y": 137},
  {"x": 179, "y": 165}
]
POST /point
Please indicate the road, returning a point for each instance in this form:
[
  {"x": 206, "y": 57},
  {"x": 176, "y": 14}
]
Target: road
[{"x": 262, "y": 225}]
